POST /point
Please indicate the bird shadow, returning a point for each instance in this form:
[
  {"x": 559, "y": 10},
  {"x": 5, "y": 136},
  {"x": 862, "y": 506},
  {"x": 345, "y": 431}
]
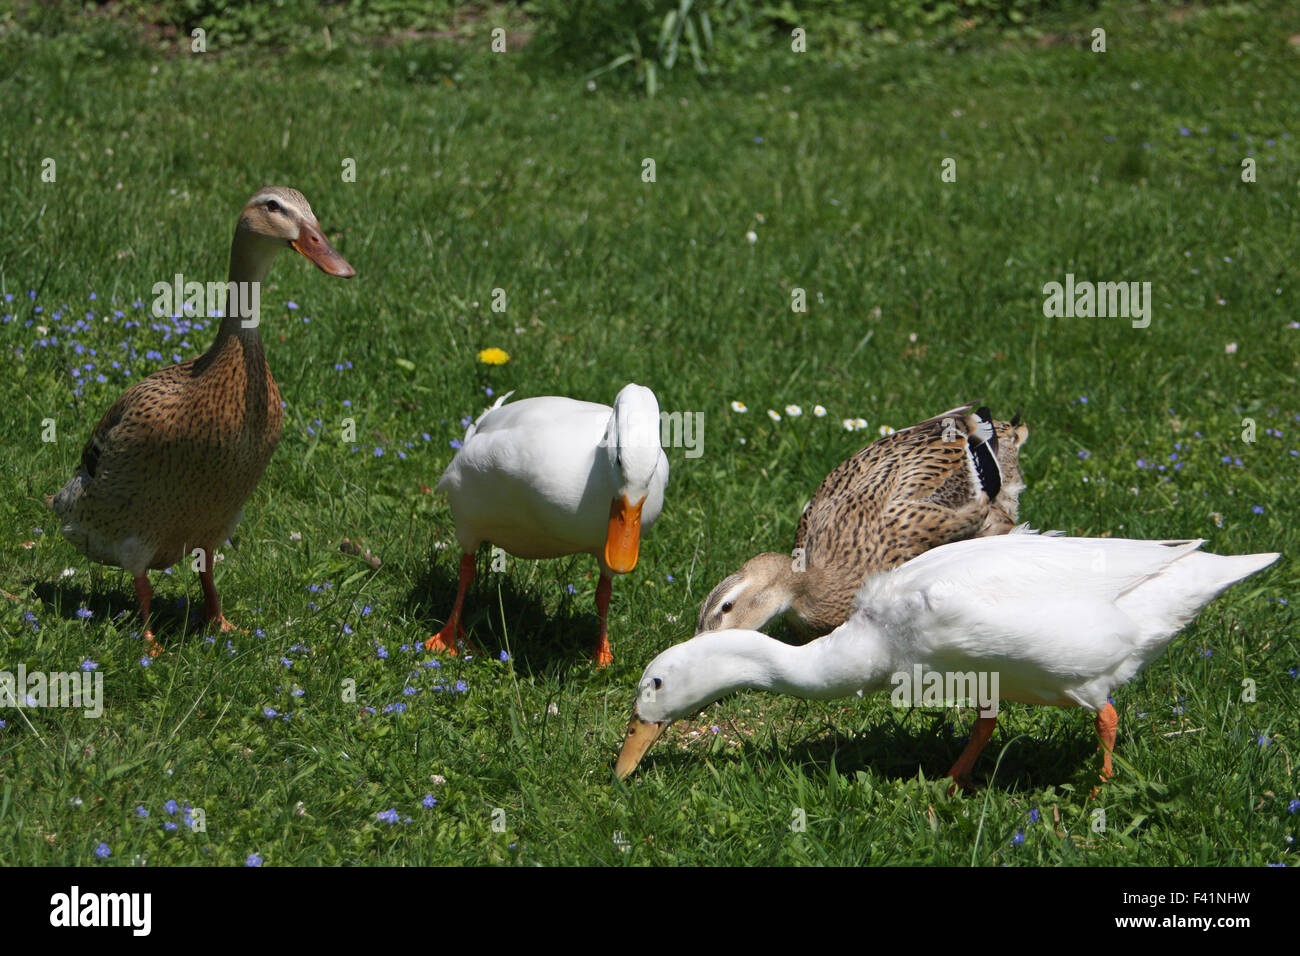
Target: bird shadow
[
  {"x": 114, "y": 603},
  {"x": 897, "y": 749},
  {"x": 498, "y": 614}
]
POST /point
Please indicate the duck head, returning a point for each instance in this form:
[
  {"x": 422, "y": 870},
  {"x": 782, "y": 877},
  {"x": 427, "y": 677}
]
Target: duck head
[
  {"x": 275, "y": 217},
  {"x": 763, "y": 588},
  {"x": 688, "y": 676},
  {"x": 631, "y": 443}
]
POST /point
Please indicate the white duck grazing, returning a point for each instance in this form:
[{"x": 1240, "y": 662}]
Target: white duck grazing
[
  {"x": 1060, "y": 621},
  {"x": 550, "y": 476}
]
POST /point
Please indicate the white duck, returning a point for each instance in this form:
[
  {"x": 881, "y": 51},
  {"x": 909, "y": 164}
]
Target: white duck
[
  {"x": 1059, "y": 621},
  {"x": 550, "y": 476}
]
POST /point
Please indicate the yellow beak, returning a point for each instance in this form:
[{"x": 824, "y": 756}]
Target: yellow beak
[
  {"x": 624, "y": 536},
  {"x": 641, "y": 735}
]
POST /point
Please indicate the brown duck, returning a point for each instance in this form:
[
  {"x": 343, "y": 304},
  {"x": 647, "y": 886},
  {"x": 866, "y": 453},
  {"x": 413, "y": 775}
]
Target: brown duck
[
  {"x": 953, "y": 476},
  {"x": 168, "y": 468}
]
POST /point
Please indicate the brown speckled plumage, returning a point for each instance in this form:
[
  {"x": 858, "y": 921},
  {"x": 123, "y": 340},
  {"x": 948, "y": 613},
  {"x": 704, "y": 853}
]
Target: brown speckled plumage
[
  {"x": 903, "y": 494},
  {"x": 169, "y": 466}
]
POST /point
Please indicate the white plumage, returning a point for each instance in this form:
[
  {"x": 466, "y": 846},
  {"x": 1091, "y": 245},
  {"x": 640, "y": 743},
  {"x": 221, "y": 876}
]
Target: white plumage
[
  {"x": 1061, "y": 621},
  {"x": 551, "y": 476}
]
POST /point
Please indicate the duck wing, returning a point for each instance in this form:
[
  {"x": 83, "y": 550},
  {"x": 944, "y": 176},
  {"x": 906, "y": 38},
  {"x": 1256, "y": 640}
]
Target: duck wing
[{"x": 917, "y": 488}]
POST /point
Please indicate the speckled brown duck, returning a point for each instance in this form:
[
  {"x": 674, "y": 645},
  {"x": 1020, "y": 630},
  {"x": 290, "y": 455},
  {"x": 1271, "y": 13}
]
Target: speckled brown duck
[
  {"x": 953, "y": 476},
  {"x": 168, "y": 468}
]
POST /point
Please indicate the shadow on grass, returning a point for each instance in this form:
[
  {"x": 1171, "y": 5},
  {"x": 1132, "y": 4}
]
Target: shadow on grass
[
  {"x": 171, "y": 616},
  {"x": 539, "y": 640},
  {"x": 897, "y": 750}
]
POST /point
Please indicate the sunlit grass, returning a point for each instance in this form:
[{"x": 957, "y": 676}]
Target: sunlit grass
[{"x": 473, "y": 175}]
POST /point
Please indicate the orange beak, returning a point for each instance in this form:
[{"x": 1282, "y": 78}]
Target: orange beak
[
  {"x": 641, "y": 734},
  {"x": 624, "y": 534},
  {"x": 311, "y": 242}
]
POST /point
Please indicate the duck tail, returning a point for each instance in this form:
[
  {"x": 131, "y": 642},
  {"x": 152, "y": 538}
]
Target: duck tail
[
  {"x": 1228, "y": 569},
  {"x": 1167, "y": 600}
]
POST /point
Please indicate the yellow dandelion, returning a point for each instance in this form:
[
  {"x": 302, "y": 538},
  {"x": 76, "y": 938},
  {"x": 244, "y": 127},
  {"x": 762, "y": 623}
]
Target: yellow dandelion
[{"x": 494, "y": 356}]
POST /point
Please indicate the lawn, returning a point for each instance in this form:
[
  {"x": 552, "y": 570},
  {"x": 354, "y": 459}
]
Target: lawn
[{"x": 324, "y": 734}]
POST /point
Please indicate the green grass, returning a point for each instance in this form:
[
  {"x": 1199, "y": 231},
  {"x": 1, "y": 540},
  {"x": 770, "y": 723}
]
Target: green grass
[{"x": 476, "y": 173}]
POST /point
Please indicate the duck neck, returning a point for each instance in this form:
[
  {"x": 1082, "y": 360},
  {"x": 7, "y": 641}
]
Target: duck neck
[
  {"x": 803, "y": 589},
  {"x": 251, "y": 256},
  {"x": 841, "y": 664},
  {"x": 777, "y": 586}
]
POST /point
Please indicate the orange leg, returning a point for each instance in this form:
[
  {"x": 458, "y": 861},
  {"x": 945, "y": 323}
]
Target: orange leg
[
  {"x": 453, "y": 632},
  {"x": 211, "y": 603},
  {"x": 1107, "y": 727},
  {"x": 979, "y": 738},
  {"x": 602, "y": 656},
  {"x": 144, "y": 594}
]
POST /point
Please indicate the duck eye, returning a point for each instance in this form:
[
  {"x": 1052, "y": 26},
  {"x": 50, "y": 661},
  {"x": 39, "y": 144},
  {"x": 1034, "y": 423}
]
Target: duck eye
[
  {"x": 656, "y": 682},
  {"x": 272, "y": 206}
]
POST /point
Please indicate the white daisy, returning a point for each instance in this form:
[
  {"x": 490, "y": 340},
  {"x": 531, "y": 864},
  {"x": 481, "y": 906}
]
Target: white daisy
[
  {"x": 775, "y": 416},
  {"x": 884, "y": 430},
  {"x": 819, "y": 411},
  {"x": 739, "y": 407},
  {"x": 794, "y": 411}
]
